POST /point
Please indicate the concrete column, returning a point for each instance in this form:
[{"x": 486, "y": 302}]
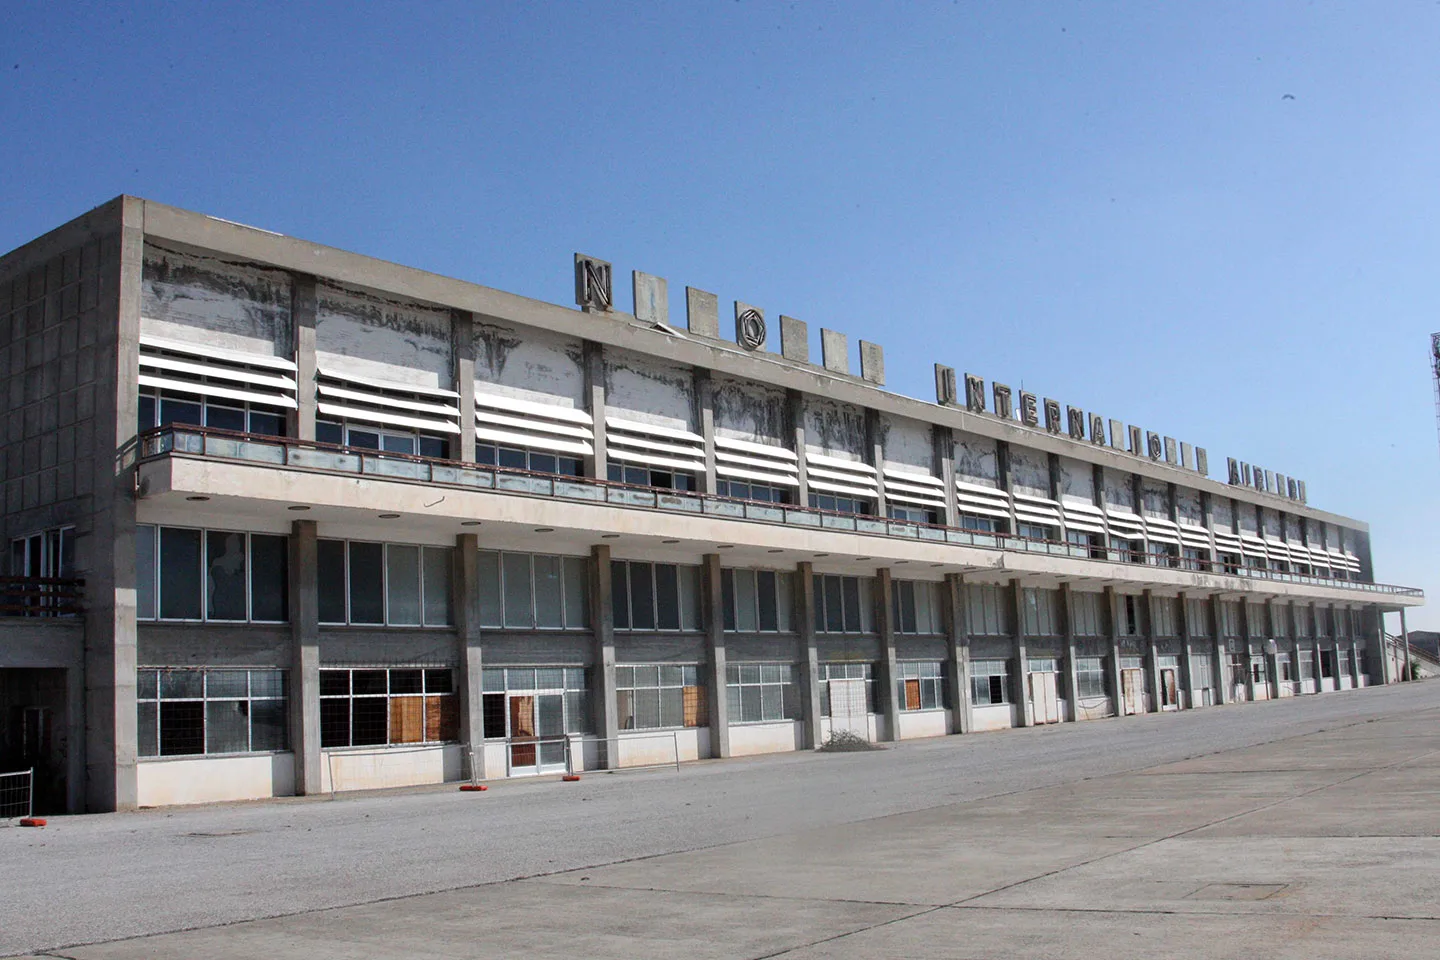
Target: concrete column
[
  {"x": 598, "y": 464},
  {"x": 1020, "y": 684},
  {"x": 465, "y": 594},
  {"x": 1187, "y": 675},
  {"x": 712, "y": 593},
  {"x": 462, "y": 339},
  {"x": 943, "y": 441},
  {"x": 1404, "y": 644},
  {"x": 304, "y": 603},
  {"x": 1218, "y": 672},
  {"x": 705, "y": 401},
  {"x": 1295, "y": 642},
  {"x": 957, "y": 661},
  {"x": 875, "y": 451},
  {"x": 602, "y": 625},
  {"x": 1117, "y": 696},
  {"x": 1152, "y": 657},
  {"x": 1248, "y": 630},
  {"x": 889, "y": 669},
  {"x": 1272, "y": 650},
  {"x": 110, "y": 737},
  {"x": 1072, "y": 676},
  {"x": 795, "y": 415},
  {"x": 302, "y": 320},
  {"x": 809, "y": 655},
  {"x": 1002, "y": 477}
]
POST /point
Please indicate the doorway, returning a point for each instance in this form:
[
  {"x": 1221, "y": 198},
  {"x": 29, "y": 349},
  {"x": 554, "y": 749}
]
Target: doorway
[
  {"x": 537, "y": 732},
  {"x": 849, "y": 708},
  {"x": 1044, "y": 696},
  {"x": 1132, "y": 690}
]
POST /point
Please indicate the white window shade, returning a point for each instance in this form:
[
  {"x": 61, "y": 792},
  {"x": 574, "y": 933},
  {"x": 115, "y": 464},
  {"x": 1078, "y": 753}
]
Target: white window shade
[
  {"x": 388, "y": 403},
  {"x": 982, "y": 501},
  {"x": 1124, "y": 524},
  {"x": 756, "y": 461},
  {"x": 847, "y": 477},
  {"x": 538, "y": 426},
  {"x": 1162, "y": 531},
  {"x": 914, "y": 488},
  {"x": 215, "y": 372},
  {"x": 1194, "y": 536},
  {"x": 654, "y": 446},
  {"x": 1083, "y": 517},
  {"x": 1041, "y": 510}
]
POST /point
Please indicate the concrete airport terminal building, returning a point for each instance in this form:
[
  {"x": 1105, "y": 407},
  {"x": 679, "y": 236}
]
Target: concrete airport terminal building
[{"x": 283, "y": 519}]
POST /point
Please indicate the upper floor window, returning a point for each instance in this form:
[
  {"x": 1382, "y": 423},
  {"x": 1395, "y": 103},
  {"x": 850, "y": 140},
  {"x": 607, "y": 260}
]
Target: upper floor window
[
  {"x": 756, "y": 600},
  {"x": 536, "y": 461},
  {"x": 969, "y": 521},
  {"x": 525, "y": 591},
  {"x": 383, "y": 583},
  {"x": 840, "y": 504},
  {"x": 1163, "y": 554},
  {"x": 752, "y": 490},
  {"x": 187, "y": 574},
  {"x": 48, "y": 554},
  {"x": 843, "y": 604},
  {"x": 650, "y": 477},
  {"x": 1034, "y": 531},
  {"x": 1084, "y": 544},
  {"x": 1125, "y": 550},
  {"x": 912, "y": 514},
  {"x": 364, "y": 436},
  {"x": 160, "y": 408},
  {"x": 655, "y": 596}
]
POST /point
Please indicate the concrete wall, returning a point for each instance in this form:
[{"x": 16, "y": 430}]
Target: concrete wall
[
  {"x": 530, "y": 364},
  {"x": 640, "y": 748},
  {"x": 976, "y": 460},
  {"x": 363, "y": 768},
  {"x": 173, "y": 781},
  {"x": 1029, "y": 472},
  {"x": 835, "y": 429},
  {"x": 364, "y": 334},
  {"x": 1118, "y": 491},
  {"x": 749, "y": 739},
  {"x": 1000, "y": 716},
  {"x": 1077, "y": 482},
  {"x": 745, "y": 410},
  {"x": 202, "y": 298},
  {"x": 908, "y": 445},
  {"x": 924, "y": 723},
  {"x": 649, "y": 390}
]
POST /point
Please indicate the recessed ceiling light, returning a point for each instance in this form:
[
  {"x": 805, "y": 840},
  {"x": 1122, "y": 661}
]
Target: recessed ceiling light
[
  {"x": 937, "y": 564},
  {"x": 724, "y": 546},
  {"x": 389, "y": 516},
  {"x": 669, "y": 541},
  {"x": 297, "y": 508},
  {"x": 901, "y": 561},
  {"x": 776, "y": 550},
  {"x": 544, "y": 529},
  {"x": 197, "y": 499},
  {"x": 819, "y": 555},
  {"x": 469, "y": 523},
  {"x": 858, "y": 559},
  {"x": 609, "y": 536}
]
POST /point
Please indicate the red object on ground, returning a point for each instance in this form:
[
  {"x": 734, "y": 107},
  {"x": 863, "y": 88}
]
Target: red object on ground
[
  {"x": 472, "y": 787},
  {"x": 32, "y": 821},
  {"x": 570, "y": 777}
]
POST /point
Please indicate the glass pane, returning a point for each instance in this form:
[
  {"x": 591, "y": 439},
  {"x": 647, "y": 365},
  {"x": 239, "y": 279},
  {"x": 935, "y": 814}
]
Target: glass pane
[
  {"x": 330, "y": 579},
  {"x": 492, "y": 680},
  {"x": 233, "y": 684},
  {"x": 489, "y": 576},
  {"x": 182, "y": 728},
  {"x": 225, "y": 576},
  {"x": 147, "y": 685},
  {"x": 146, "y": 418},
  {"x": 182, "y": 684},
  {"x": 145, "y": 572},
  {"x": 370, "y": 725},
  {"x": 267, "y": 683},
  {"x": 620, "y": 594},
  {"x": 267, "y": 725},
  {"x": 335, "y": 723},
  {"x": 367, "y": 583},
  {"x": 834, "y": 607},
  {"x": 269, "y": 578},
  {"x": 577, "y": 587},
  {"x": 407, "y": 681},
  {"x": 672, "y": 676},
  {"x": 745, "y": 620},
  {"x": 225, "y": 418},
  {"x": 267, "y": 424},
  {"x": 689, "y": 598},
  {"x": 334, "y": 683},
  {"x": 437, "y": 585},
  {"x": 439, "y": 681},
  {"x": 148, "y": 744},
  {"x": 327, "y": 431},
  {"x": 179, "y": 411},
  {"x": 727, "y": 599},
  {"x": 227, "y": 726},
  {"x": 519, "y": 610},
  {"x": 391, "y": 443},
  {"x": 369, "y": 682},
  {"x": 851, "y": 589},
  {"x": 667, "y": 597},
  {"x": 548, "y": 610},
  {"x": 179, "y": 574},
  {"x": 642, "y": 596},
  {"x": 403, "y": 584},
  {"x": 765, "y": 589}
]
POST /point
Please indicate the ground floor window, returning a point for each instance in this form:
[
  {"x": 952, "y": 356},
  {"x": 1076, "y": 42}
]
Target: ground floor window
[
  {"x": 374, "y": 707},
  {"x": 534, "y": 701},
  {"x": 1090, "y": 678},
  {"x": 989, "y": 682},
  {"x": 660, "y": 696},
  {"x": 1257, "y": 669},
  {"x": 920, "y": 685},
  {"x": 202, "y": 711},
  {"x": 1283, "y": 667},
  {"x": 1306, "y": 664},
  {"x": 864, "y": 672},
  {"x": 757, "y": 692}
]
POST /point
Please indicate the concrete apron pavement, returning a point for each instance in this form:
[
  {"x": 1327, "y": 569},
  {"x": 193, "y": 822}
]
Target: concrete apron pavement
[{"x": 1319, "y": 846}]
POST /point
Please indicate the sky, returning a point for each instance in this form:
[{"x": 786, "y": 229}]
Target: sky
[{"x": 1214, "y": 220}]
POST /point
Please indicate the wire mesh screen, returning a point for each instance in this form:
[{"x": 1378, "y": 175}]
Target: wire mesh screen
[{"x": 15, "y": 794}]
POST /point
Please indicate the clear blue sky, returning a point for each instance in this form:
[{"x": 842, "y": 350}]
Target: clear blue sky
[{"x": 1216, "y": 220}]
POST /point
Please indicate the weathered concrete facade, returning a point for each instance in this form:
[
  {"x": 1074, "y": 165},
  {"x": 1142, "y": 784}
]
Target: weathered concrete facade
[{"x": 345, "y": 524}]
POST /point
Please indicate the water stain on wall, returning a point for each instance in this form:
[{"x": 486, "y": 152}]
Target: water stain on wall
[
  {"x": 200, "y": 298},
  {"x": 364, "y": 334},
  {"x": 649, "y": 391},
  {"x": 529, "y": 364},
  {"x": 749, "y": 411},
  {"x": 834, "y": 429},
  {"x": 976, "y": 460}
]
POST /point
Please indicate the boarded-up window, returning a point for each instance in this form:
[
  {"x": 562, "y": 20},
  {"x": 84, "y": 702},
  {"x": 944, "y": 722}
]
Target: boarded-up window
[
  {"x": 407, "y": 719},
  {"x": 694, "y": 706},
  {"x": 912, "y": 694}
]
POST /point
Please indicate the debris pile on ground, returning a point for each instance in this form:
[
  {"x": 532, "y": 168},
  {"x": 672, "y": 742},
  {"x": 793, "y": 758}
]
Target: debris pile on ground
[{"x": 846, "y": 741}]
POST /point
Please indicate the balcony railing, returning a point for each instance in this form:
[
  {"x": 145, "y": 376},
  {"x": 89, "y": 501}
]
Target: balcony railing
[
  {"x": 40, "y": 597},
  {"x": 217, "y": 444}
]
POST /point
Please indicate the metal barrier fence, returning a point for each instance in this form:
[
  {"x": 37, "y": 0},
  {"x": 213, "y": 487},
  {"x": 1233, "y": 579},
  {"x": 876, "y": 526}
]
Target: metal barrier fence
[
  {"x": 571, "y": 743},
  {"x": 17, "y": 794}
]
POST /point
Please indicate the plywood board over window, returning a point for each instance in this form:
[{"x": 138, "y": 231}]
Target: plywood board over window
[{"x": 407, "y": 719}]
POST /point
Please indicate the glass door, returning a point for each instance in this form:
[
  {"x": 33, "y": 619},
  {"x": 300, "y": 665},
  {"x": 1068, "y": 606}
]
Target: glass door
[
  {"x": 551, "y": 714},
  {"x": 523, "y": 745}
]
